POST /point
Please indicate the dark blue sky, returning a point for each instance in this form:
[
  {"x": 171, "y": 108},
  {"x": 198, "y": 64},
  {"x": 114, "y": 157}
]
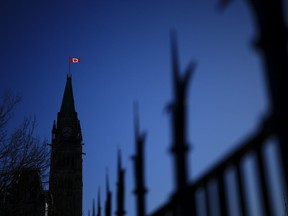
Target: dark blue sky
[{"x": 125, "y": 56}]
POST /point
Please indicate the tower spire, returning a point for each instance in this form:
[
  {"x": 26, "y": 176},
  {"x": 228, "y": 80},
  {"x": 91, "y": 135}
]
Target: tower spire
[
  {"x": 66, "y": 159},
  {"x": 67, "y": 106}
]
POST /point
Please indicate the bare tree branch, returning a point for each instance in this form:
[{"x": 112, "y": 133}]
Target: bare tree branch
[{"x": 20, "y": 149}]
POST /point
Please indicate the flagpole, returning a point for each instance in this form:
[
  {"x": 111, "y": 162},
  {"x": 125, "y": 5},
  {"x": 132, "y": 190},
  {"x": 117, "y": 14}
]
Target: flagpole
[
  {"x": 69, "y": 73},
  {"x": 72, "y": 60}
]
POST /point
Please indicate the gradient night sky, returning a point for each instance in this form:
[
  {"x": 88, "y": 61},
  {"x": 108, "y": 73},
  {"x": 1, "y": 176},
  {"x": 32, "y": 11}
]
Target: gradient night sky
[{"x": 125, "y": 56}]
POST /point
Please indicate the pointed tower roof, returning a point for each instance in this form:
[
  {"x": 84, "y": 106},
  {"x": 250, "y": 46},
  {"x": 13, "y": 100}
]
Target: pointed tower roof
[{"x": 67, "y": 106}]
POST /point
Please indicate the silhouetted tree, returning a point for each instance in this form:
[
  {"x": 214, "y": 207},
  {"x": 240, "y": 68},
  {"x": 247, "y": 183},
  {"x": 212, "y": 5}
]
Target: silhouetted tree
[{"x": 20, "y": 149}]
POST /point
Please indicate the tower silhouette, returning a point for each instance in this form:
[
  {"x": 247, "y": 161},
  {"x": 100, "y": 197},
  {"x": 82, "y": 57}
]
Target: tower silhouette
[{"x": 66, "y": 159}]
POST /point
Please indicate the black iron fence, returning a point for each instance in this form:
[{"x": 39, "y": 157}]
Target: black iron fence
[{"x": 212, "y": 194}]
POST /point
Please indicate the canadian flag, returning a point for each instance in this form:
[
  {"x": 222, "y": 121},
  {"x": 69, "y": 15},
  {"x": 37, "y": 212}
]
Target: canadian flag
[{"x": 74, "y": 60}]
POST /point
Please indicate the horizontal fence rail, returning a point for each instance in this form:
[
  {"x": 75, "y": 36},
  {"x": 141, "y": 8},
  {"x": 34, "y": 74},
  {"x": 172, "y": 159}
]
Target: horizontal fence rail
[{"x": 208, "y": 195}]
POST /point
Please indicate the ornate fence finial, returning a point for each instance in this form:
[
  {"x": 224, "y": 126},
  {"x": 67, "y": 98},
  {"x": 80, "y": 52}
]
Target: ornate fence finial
[
  {"x": 139, "y": 171},
  {"x": 178, "y": 109},
  {"x": 120, "y": 199},
  {"x": 108, "y": 205}
]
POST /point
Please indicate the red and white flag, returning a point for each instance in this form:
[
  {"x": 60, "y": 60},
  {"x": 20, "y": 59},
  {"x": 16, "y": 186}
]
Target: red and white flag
[{"x": 74, "y": 60}]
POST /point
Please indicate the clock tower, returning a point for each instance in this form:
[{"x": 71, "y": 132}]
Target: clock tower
[{"x": 65, "y": 183}]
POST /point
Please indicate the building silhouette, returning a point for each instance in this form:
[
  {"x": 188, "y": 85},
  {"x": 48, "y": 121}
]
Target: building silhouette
[
  {"x": 65, "y": 184},
  {"x": 26, "y": 196}
]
